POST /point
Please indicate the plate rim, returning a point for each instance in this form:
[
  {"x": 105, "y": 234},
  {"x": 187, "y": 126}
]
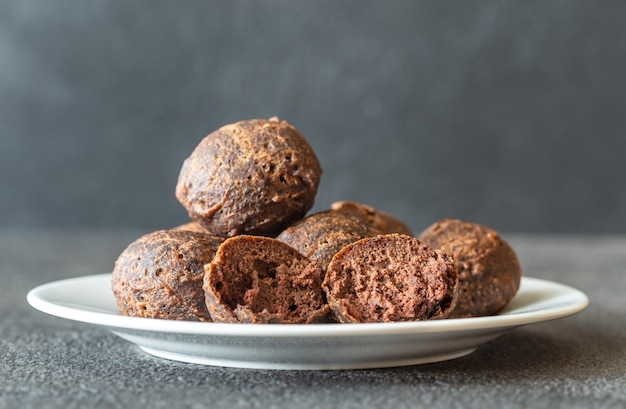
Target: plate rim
[{"x": 39, "y": 298}]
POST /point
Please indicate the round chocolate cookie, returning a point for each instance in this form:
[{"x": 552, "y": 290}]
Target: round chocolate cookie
[
  {"x": 321, "y": 235},
  {"x": 160, "y": 275},
  {"x": 489, "y": 272},
  {"x": 251, "y": 177},
  {"x": 382, "y": 221},
  {"x": 256, "y": 279},
  {"x": 390, "y": 278}
]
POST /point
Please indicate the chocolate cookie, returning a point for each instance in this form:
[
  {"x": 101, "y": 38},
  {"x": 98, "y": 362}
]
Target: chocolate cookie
[
  {"x": 390, "y": 278},
  {"x": 262, "y": 280},
  {"x": 160, "y": 275},
  {"x": 489, "y": 272},
  {"x": 251, "y": 177},
  {"x": 321, "y": 235},
  {"x": 382, "y": 221}
]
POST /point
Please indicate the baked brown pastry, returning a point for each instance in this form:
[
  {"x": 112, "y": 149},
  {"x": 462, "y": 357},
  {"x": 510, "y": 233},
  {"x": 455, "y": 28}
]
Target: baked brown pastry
[
  {"x": 192, "y": 226},
  {"x": 321, "y": 235},
  {"x": 256, "y": 279},
  {"x": 160, "y": 275},
  {"x": 390, "y": 278},
  {"x": 381, "y": 220},
  {"x": 251, "y": 177},
  {"x": 489, "y": 271}
]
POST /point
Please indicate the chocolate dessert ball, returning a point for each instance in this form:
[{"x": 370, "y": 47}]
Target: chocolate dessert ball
[
  {"x": 390, "y": 278},
  {"x": 256, "y": 279},
  {"x": 382, "y": 221},
  {"x": 160, "y": 275},
  {"x": 192, "y": 226},
  {"x": 251, "y": 177},
  {"x": 321, "y": 235},
  {"x": 489, "y": 272}
]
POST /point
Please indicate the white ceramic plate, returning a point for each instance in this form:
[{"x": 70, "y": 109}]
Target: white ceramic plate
[{"x": 296, "y": 346}]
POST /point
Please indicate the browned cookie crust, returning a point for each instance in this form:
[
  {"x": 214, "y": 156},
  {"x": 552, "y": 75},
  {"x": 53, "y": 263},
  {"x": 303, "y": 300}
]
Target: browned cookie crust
[
  {"x": 256, "y": 177},
  {"x": 160, "y": 275},
  {"x": 262, "y": 280},
  {"x": 382, "y": 221},
  {"x": 321, "y": 235},
  {"x": 390, "y": 278},
  {"x": 489, "y": 272}
]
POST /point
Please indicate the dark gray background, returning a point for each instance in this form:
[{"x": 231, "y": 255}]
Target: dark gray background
[{"x": 511, "y": 114}]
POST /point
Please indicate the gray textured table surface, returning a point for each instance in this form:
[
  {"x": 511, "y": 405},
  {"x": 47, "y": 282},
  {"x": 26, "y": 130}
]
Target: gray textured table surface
[{"x": 575, "y": 362}]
